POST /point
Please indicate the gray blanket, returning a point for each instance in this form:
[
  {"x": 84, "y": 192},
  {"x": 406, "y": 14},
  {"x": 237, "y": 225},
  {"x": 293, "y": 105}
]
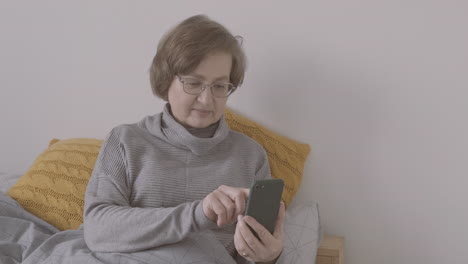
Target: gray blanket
[
  {"x": 24, "y": 238},
  {"x": 27, "y": 239}
]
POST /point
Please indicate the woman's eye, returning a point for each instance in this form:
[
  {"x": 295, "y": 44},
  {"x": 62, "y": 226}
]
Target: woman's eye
[
  {"x": 194, "y": 84},
  {"x": 219, "y": 86}
]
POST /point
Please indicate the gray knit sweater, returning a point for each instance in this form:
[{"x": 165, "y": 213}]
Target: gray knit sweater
[{"x": 150, "y": 178}]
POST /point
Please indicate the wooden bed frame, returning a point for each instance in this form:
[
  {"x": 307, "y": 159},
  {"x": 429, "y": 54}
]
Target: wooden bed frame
[{"x": 330, "y": 250}]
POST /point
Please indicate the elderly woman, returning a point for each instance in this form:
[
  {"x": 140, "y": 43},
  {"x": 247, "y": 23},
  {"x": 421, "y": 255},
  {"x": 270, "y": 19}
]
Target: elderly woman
[{"x": 182, "y": 172}]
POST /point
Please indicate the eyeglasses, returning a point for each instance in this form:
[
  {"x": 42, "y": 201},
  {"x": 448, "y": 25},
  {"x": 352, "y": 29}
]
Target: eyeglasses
[{"x": 195, "y": 87}]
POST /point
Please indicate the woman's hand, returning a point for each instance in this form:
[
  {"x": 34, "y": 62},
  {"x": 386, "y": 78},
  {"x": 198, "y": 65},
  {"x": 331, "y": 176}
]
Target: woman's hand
[
  {"x": 224, "y": 204},
  {"x": 268, "y": 247}
]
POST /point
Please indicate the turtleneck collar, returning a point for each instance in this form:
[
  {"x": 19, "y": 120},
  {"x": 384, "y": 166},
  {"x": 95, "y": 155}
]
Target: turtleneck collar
[
  {"x": 164, "y": 126},
  {"x": 206, "y": 132}
]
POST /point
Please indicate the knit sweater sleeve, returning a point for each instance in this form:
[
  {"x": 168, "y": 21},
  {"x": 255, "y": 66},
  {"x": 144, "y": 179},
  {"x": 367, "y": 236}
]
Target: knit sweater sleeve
[
  {"x": 264, "y": 171},
  {"x": 112, "y": 225}
]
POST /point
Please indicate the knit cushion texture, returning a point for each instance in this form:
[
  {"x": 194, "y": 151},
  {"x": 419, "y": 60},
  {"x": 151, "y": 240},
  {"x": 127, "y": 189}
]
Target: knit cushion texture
[{"x": 53, "y": 188}]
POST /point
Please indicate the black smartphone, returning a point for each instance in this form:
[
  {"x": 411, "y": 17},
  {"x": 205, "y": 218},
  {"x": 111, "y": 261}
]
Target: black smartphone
[{"x": 264, "y": 202}]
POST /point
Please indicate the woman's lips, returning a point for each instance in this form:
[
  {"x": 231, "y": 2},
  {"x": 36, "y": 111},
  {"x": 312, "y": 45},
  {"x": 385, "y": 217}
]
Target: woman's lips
[{"x": 201, "y": 112}]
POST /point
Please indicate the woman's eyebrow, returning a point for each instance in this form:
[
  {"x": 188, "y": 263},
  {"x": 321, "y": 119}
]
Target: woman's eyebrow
[{"x": 203, "y": 78}]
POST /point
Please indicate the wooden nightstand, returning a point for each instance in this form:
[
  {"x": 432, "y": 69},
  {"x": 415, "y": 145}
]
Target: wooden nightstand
[{"x": 330, "y": 250}]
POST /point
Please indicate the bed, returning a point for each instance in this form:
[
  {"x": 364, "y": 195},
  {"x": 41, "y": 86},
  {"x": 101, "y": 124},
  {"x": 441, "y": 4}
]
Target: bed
[{"x": 31, "y": 232}]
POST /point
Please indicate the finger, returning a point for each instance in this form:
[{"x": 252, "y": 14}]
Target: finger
[
  {"x": 219, "y": 210},
  {"x": 238, "y": 195},
  {"x": 248, "y": 236},
  {"x": 279, "y": 226},
  {"x": 241, "y": 245},
  {"x": 234, "y": 190},
  {"x": 240, "y": 204},
  {"x": 263, "y": 233},
  {"x": 229, "y": 205},
  {"x": 246, "y": 191}
]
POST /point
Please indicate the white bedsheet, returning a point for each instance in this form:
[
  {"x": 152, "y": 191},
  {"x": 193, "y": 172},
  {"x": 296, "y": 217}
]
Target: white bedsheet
[{"x": 7, "y": 180}]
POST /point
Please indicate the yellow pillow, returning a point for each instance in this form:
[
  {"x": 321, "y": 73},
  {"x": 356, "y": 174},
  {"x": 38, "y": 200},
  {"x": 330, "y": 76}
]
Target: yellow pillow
[
  {"x": 286, "y": 156},
  {"x": 54, "y": 186}
]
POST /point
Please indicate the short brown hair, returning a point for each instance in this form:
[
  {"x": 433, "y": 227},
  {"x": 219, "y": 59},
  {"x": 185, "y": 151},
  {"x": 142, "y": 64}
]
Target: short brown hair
[{"x": 182, "y": 49}]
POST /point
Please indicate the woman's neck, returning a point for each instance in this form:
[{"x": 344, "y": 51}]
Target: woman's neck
[{"x": 205, "y": 132}]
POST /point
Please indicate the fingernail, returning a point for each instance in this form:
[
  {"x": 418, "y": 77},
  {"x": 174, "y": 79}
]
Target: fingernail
[{"x": 239, "y": 217}]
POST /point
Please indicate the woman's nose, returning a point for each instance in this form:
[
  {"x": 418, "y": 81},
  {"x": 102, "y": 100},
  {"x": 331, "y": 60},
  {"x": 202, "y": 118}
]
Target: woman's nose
[{"x": 206, "y": 96}]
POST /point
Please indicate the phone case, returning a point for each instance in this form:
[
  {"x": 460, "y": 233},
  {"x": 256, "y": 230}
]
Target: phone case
[{"x": 264, "y": 202}]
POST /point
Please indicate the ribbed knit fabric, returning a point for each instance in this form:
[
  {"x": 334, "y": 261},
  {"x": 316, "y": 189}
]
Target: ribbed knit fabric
[{"x": 150, "y": 178}]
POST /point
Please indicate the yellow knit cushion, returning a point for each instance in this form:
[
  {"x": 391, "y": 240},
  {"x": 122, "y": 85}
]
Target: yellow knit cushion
[
  {"x": 286, "y": 156},
  {"x": 54, "y": 186}
]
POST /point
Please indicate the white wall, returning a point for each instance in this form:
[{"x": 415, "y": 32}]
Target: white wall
[{"x": 378, "y": 88}]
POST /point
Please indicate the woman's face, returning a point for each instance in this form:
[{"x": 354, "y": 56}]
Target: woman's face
[{"x": 201, "y": 110}]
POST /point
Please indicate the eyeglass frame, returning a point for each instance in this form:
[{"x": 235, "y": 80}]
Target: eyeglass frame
[{"x": 204, "y": 85}]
